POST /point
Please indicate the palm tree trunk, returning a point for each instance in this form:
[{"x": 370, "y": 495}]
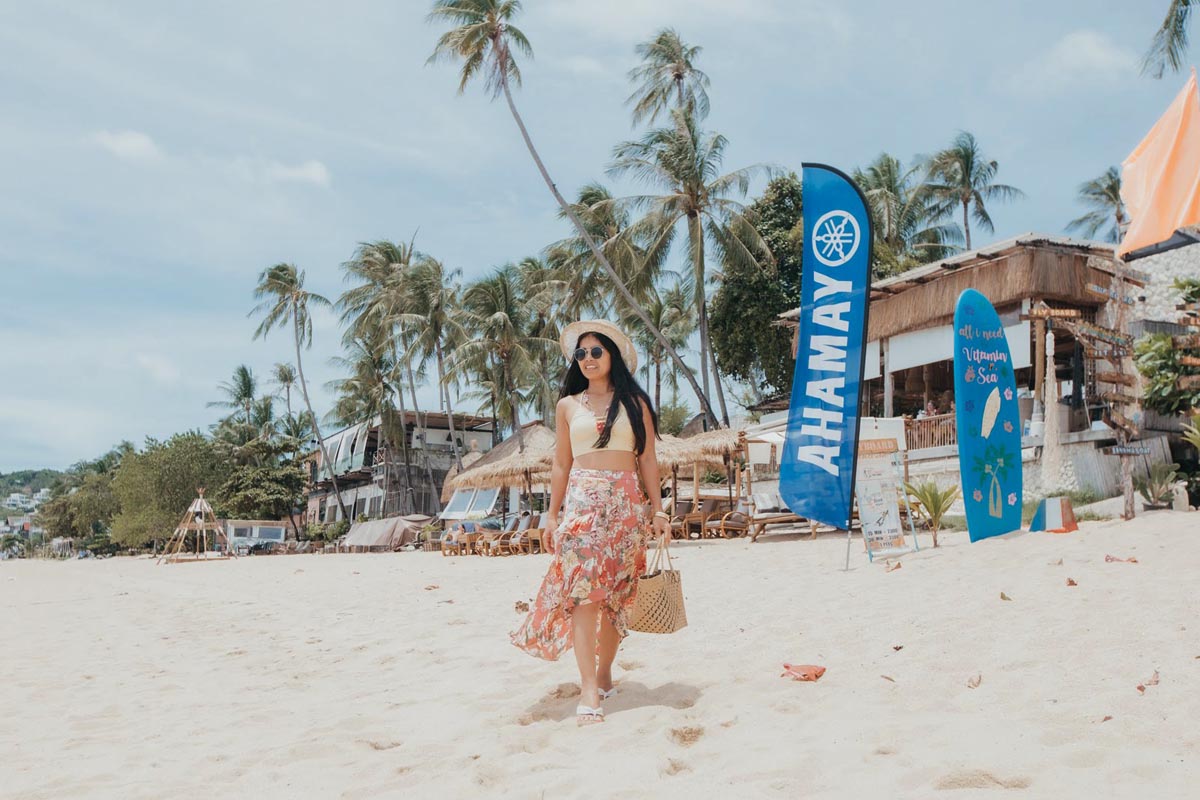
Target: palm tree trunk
[
  {"x": 623, "y": 290},
  {"x": 316, "y": 428},
  {"x": 287, "y": 394},
  {"x": 717, "y": 378},
  {"x": 514, "y": 412},
  {"x": 408, "y": 478},
  {"x": 423, "y": 421},
  {"x": 966, "y": 224},
  {"x": 441, "y": 366},
  {"x": 696, "y": 234},
  {"x": 658, "y": 384}
]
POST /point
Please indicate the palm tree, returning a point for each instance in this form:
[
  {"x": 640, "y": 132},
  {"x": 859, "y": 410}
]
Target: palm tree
[
  {"x": 376, "y": 304},
  {"x": 239, "y": 392},
  {"x": 483, "y": 40},
  {"x": 667, "y": 74},
  {"x": 1103, "y": 194},
  {"x": 579, "y": 278},
  {"x": 904, "y": 216},
  {"x": 502, "y": 349},
  {"x": 285, "y": 300},
  {"x": 434, "y": 317},
  {"x": 962, "y": 175},
  {"x": 684, "y": 163},
  {"x": 284, "y": 375},
  {"x": 546, "y": 321},
  {"x": 670, "y": 308},
  {"x": 1170, "y": 43}
]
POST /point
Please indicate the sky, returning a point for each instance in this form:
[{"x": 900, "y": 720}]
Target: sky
[{"x": 155, "y": 157}]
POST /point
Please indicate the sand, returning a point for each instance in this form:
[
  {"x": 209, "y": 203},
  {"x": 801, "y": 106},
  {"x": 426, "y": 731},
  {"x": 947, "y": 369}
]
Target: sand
[{"x": 365, "y": 676}]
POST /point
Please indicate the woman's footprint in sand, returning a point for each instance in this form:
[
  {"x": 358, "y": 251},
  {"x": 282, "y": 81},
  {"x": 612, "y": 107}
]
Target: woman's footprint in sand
[
  {"x": 979, "y": 779},
  {"x": 686, "y": 736}
]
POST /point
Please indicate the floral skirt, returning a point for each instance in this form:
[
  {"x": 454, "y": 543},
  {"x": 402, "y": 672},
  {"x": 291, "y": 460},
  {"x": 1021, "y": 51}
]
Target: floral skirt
[{"x": 599, "y": 553}]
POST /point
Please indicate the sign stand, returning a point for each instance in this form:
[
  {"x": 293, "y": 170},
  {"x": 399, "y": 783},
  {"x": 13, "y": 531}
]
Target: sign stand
[{"x": 881, "y": 476}]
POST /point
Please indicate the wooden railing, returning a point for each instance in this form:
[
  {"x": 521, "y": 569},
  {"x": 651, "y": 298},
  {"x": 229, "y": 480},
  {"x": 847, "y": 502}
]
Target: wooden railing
[{"x": 936, "y": 431}]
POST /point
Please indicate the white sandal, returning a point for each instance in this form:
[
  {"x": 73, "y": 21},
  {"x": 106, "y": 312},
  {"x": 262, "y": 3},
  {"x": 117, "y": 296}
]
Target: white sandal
[
  {"x": 607, "y": 693},
  {"x": 582, "y": 713}
]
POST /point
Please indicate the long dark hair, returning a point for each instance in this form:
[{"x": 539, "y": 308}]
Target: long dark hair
[{"x": 626, "y": 392}]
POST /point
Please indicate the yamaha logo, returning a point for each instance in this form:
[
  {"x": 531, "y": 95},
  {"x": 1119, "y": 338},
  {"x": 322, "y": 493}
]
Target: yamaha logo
[{"x": 835, "y": 238}]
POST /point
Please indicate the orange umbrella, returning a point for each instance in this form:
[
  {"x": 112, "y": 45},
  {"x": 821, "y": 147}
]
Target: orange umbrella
[{"x": 1160, "y": 180}]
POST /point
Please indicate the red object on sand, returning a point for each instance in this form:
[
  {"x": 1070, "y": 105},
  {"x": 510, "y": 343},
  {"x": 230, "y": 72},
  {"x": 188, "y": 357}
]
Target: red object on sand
[{"x": 802, "y": 672}]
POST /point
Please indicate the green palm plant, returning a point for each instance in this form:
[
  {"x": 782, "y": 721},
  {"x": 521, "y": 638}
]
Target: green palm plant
[
  {"x": 904, "y": 213},
  {"x": 502, "y": 349},
  {"x": 667, "y": 76},
  {"x": 1103, "y": 195},
  {"x": 961, "y": 175},
  {"x": 285, "y": 301},
  {"x": 483, "y": 39},
  {"x": 284, "y": 377},
  {"x": 239, "y": 392},
  {"x": 580, "y": 278},
  {"x": 1170, "y": 43},
  {"x": 935, "y": 502},
  {"x": 670, "y": 308},
  {"x": 683, "y": 163},
  {"x": 433, "y": 315},
  {"x": 1191, "y": 433}
]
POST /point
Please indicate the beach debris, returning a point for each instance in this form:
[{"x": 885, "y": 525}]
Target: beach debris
[
  {"x": 1071, "y": 582},
  {"x": 973, "y": 683},
  {"x": 1107, "y": 717},
  {"x": 521, "y": 607},
  {"x": 431, "y": 587},
  {"x": 897, "y": 647},
  {"x": 1055, "y": 563},
  {"x": 1110, "y": 559},
  {"x": 888, "y": 678},
  {"x": 445, "y": 601},
  {"x": 1003, "y": 596},
  {"x": 893, "y": 567},
  {"x": 802, "y": 672}
]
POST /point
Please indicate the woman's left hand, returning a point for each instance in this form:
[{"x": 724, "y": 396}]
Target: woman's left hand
[{"x": 660, "y": 526}]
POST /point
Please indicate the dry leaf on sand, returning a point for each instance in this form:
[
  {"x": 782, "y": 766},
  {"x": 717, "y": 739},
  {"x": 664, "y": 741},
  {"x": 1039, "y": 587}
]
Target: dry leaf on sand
[
  {"x": 431, "y": 587},
  {"x": 521, "y": 606},
  {"x": 894, "y": 567},
  {"x": 888, "y": 678},
  {"x": 1107, "y": 717},
  {"x": 1153, "y": 679},
  {"x": 897, "y": 647},
  {"x": 973, "y": 683},
  {"x": 1003, "y": 596},
  {"x": 1055, "y": 563},
  {"x": 1110, "y": 559},
  {"x": 1071, "y": 582}
]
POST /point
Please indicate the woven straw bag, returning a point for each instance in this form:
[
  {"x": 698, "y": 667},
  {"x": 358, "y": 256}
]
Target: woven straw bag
[{"x": 658, "y": 607}]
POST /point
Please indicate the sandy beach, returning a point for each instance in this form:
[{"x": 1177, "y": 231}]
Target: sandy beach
[{"x": 362, "y": 676}]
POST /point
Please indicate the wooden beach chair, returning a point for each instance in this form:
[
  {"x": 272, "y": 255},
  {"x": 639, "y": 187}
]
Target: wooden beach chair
[
  {"x": 737, "y": 522},
  {"x": 769, "y": 509},
  {"x": 695, "y": 521},
  {"x": 681, "y": 508},
  {"x": 496, "y": 543}
]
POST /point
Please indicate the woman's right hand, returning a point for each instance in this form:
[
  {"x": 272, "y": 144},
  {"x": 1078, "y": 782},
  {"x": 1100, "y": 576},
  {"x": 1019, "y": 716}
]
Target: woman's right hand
[{"x": 551, "y": 524}]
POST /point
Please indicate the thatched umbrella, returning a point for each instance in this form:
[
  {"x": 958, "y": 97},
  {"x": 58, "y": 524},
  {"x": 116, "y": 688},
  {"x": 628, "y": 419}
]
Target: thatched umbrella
[{"x": 712, "y": 447}]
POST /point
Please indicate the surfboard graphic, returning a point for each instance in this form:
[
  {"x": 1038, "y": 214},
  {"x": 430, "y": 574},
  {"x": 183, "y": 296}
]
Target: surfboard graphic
[{"x": 989, "y": 424}]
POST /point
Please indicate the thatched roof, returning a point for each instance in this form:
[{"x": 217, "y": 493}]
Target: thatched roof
[
  {"x": 1054, "y": 268},
  {"x": 506, "y": 464}
]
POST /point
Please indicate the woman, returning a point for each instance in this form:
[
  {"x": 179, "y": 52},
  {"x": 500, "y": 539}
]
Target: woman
[{"x": 606, "y": 431}]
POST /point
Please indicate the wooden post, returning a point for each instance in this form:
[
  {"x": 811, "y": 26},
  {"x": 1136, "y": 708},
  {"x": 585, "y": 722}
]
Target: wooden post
[
  {"x": 889, "y": 391},
  {"x": 1039, "y": 360}
]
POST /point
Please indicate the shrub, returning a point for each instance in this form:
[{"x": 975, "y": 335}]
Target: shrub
[{"x": 935, "y": 502}]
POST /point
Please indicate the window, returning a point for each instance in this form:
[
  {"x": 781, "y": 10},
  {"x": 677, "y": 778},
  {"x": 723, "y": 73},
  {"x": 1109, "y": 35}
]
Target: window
[
  {"x": 376, "y": 502},
  {"x": 274, "y": 534}
]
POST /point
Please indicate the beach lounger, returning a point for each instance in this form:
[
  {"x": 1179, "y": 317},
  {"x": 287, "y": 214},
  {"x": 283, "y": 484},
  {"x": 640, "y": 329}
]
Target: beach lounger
[
  {"x": 769, "y": 509},
  {"x": 680, "y": 510},
  {"x": 695, "y": 521}
]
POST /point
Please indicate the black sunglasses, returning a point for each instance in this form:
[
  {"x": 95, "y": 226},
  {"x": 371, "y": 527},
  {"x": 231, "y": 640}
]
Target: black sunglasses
[{"x": 582, "y": 352}]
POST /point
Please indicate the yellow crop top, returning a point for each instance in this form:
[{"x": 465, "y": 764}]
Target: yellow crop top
[{"x": 585, "y": 429}]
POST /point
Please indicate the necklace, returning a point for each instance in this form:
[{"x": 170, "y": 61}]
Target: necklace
[{"x": 600, "y": 418}]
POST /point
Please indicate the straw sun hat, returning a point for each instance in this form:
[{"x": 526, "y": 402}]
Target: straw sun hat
[{"x": 571, "y": 333}]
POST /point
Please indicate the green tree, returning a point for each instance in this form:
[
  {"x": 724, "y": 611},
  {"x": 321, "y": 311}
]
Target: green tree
[
  {"x": 267, "y": 492},
  {"x": 1170, "y": 43},
  {"x": 683, "y": 163},
  {"x": 667, "y": 76},
  {"x": 154, "y": 487},
  {"x": 502, "y": 349},
  {"x": 904, "y": 216},
  {"x": 240, "y": 392},
  {"x": 284, "y": 376},
  {"x": 747, "y": 305},
  {"x": 1103, "y": 196},
  {"x": 961, "y": 175},
  {"x": 285, "y": 300},
  {"x": 483, "y": 39},
  {"x": 434, "y": 315},
  {"x": 670, "y": 308}
]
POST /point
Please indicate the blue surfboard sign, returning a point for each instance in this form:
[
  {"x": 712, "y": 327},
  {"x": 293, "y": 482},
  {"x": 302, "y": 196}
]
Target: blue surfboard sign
[
  {"x": 820, "y": 453},
  {"x": 988, "y": 419}
]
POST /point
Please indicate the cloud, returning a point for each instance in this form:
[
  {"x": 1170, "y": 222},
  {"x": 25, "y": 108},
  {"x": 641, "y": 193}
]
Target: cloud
[
  {"x": 1079, "y": 59},
  {"x": 133, "y": 146},
  {"x": 263, "y": 170},
  {"x": 160, "y": 368}
]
